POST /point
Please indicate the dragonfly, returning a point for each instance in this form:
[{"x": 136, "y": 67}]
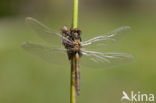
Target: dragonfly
[{"x": 73, "y": 46}]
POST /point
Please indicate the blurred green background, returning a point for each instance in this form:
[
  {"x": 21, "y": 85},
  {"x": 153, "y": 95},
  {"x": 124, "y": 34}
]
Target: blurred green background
[{"x": 25, "y": 78}]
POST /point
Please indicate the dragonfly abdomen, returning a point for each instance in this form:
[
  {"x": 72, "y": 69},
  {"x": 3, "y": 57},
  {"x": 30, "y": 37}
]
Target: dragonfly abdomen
[{"x": 77, "y": 74}]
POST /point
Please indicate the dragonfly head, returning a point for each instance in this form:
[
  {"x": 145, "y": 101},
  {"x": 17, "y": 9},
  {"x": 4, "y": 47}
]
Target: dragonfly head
[{"x": 76, "y": 33}]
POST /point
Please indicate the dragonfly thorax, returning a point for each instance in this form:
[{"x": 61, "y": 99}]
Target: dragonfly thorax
[{"x": 74, "y": 37}]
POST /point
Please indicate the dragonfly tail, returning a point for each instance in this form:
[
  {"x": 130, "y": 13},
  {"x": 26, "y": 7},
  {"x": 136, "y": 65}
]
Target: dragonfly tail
[
  {"x": 77, "y": 74},
  {"x": 77, "y": 83}
]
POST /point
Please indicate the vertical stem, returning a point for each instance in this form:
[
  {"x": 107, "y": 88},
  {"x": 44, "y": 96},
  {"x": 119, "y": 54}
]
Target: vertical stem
[
  {"x": 75, "y": 24},
  {"x": 75, "y": 14}
]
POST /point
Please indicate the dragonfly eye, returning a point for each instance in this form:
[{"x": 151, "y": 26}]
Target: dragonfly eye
[
  {"x": 76, "y": 30},
  {"x": 73, "y": 31},
  {"x": 79, "y": 32}
]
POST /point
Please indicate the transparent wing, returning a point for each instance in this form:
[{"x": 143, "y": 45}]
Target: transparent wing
[
  {"x": 46, "y": 33},
  {"x": 51, "y": 55},
  {"x": 110, "y": 37},
  {"x": 97, "y": 60}
]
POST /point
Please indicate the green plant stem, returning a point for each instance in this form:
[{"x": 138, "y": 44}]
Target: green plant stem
[
  {"x": 72, "y": 84},
  {"x": 75, "y": 14}
]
